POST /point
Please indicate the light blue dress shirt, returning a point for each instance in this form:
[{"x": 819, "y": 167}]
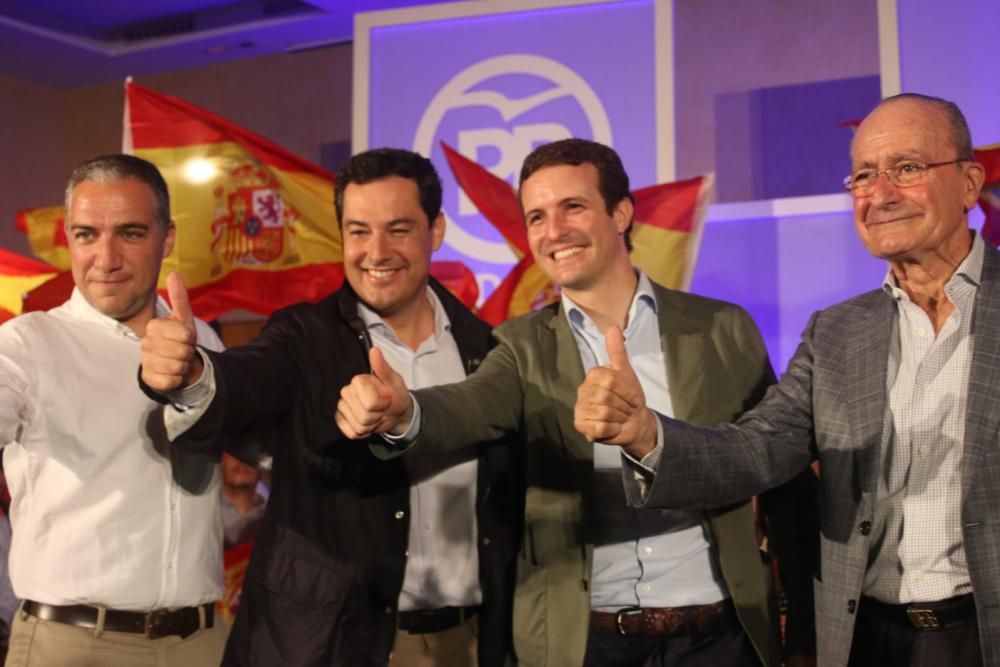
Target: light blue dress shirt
[{"x": 642, "y": 557}]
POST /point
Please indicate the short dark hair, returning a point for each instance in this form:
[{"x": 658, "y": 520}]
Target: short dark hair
[
  {"x": 380, "y": 163},
  {"x": 612, "y": 181},
  {"x": 960, "y": 135},
  {"x": 117, "y": 167}
]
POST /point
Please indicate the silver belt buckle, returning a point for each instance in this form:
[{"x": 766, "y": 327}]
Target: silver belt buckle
[
  {"x": 924, "y": 619},
  {"x": 618, "y": 618}
]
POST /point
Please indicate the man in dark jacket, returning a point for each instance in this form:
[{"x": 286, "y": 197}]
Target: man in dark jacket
[{"x": 358, "y": 561}]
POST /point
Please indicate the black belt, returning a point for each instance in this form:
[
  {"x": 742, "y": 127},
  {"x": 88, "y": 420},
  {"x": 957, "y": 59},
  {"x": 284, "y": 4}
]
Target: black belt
[
  {"x": 923, "y": 615},
  {"x": 426, "y": 621},
  {"x": 153, "y": 625}
]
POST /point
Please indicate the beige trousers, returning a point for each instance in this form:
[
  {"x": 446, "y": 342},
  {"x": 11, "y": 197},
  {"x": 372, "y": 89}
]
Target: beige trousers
[
  {"x": 450, "y": 648},
  {"x": 38, "y": 643}
]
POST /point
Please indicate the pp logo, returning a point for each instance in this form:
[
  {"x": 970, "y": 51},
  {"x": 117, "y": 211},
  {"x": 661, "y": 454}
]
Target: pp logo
[{"x": 495, "y": 112}]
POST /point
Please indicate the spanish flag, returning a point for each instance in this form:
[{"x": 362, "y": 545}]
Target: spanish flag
[
  {"x": 256, "y": 227},
  {"x": 46, "y": 232},
  {"x": 18, "y": 276},
  {"x": 989, "y": 199},
  {"x": 665, "y": 237},
  {"x": 255, "y": 224}
]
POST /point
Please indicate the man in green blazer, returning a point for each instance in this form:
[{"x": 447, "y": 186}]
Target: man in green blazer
[{"x": 599, "y": 583}]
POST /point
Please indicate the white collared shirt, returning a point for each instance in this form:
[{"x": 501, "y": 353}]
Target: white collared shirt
[
  {"x": 918, "y": 553},
  {"x": 442, "y": 564},
  {"x": 103, "y": 511}
]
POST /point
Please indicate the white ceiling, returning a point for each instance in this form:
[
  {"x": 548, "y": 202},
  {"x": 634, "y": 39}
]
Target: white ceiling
[{"x": 68, "y": 43}]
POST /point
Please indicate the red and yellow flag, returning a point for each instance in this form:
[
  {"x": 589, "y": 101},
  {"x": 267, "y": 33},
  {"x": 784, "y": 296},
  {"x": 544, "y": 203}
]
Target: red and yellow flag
[
  {"x": 18, "y": 276},
  {"x": 256, "y": 227},
  {"x": 255, "y": 224},
  {"x": 989, "y": 199},
  {"x": 46, "y": 232},
  {"x": 665, "y": 236},
  {"x": 235, "y": 562}
]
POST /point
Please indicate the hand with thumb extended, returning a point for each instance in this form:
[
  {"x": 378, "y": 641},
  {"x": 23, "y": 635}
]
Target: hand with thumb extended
[
  {"x": 169, "y": 359},
  {"x": 377, "y": 402},
  {"x": 610, "y": 404},
  {"x": 180, "y": 304}
]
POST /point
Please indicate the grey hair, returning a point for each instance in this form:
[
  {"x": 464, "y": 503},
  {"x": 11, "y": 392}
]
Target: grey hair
[{"x": 116, "y": 167}]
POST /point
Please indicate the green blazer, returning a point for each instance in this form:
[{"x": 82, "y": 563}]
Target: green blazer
[{"x": 717, "y": 367}]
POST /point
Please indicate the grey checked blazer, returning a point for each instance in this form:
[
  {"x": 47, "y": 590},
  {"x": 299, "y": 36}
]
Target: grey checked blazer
[{"x": 831, "y": 405}]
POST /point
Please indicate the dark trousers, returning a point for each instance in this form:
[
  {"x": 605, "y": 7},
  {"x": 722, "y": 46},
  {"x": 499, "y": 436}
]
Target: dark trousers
[
  {"x": 880, "y": 642},
  {"x": 731, "y": 647}
]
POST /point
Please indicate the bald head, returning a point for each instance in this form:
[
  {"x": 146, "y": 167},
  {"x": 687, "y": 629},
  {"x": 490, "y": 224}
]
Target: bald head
[{"x": 933, "y": 114}]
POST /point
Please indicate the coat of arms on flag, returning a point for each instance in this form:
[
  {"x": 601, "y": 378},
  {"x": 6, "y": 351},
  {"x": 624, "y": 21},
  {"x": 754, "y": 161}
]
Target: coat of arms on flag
[{"x": 251, "y": 219}]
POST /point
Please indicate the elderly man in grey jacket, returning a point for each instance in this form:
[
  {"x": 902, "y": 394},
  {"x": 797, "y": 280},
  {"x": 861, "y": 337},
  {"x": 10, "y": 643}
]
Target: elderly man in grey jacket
[{"x": 894, "y": 392}]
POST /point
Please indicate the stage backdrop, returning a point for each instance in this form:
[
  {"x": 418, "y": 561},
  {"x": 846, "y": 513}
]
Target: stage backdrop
[
  {"x": 493, "y": 85},
  {"x": 494, "y": 80}
]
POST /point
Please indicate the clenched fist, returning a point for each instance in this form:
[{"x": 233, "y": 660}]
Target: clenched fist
[
  {"x": 374, "y": 403},
  {"x": 169, "y": 360},
  {"x": 611, "y": 406}
]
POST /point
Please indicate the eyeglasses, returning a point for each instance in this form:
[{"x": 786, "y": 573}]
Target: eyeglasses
[{"x": 903, "y": 175}]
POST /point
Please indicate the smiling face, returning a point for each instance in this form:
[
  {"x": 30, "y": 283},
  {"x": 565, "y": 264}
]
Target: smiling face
[
  {"x": 572, "y": 236},
  {"x": 901, "y": 224},
  {"x": 388, "y": 242},
  {"x": 116, "y": 247}
]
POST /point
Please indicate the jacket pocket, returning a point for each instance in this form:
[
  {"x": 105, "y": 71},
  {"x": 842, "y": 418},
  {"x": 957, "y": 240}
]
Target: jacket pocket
[
  {"x": 530, "y": 609},
  {"x": 294, "y": 605},
  {"x": 297, "y": 570}
]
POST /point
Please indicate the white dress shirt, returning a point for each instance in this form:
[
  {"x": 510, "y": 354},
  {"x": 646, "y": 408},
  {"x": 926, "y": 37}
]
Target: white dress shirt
[
  {"x": 642, "y": 557},
  {"x": 104, "y": 511},
  {"x": 442, "y": 564},
  {"x": 919, "y": 555}
]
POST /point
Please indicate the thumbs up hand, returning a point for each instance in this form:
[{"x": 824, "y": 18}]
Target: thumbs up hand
[
  {"x": 169, "y": 360},
  {"x": 610, "y": 404},
  {"x": 377, "y": 402}
]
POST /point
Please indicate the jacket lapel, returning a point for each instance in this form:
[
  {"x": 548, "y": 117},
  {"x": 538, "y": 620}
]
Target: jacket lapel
[
  {"x": 681, "y": 341},
  {"x": 981, "y": 417},
  {"x": 558, "y": 344},
  {"x": 867, "y": 359}
]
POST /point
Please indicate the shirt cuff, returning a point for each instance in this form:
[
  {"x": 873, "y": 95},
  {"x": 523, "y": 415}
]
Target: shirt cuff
[
  {"x": 188, "y": 404},
  {"x": 639, "y": 474},
  {"x": 412, "y": 431}
]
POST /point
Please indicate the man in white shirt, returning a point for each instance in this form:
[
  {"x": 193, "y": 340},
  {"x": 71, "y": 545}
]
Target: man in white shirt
[{"x": 117, "y": 547}]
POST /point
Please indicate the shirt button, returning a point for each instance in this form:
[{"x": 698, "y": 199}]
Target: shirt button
[
  {"x": 924, "y": 450},
  {"x": 865, "y": 527},
  {"x": 647, "y": 588},
  {"x": 851, "y": 606},
  {"x": 400, "y": 514},
  {"x": 647, "y": 550},
  {"x": 427, "y": 526},
  {"x": 486, "y": 541},
  {"x": 388, "y": 610}
]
